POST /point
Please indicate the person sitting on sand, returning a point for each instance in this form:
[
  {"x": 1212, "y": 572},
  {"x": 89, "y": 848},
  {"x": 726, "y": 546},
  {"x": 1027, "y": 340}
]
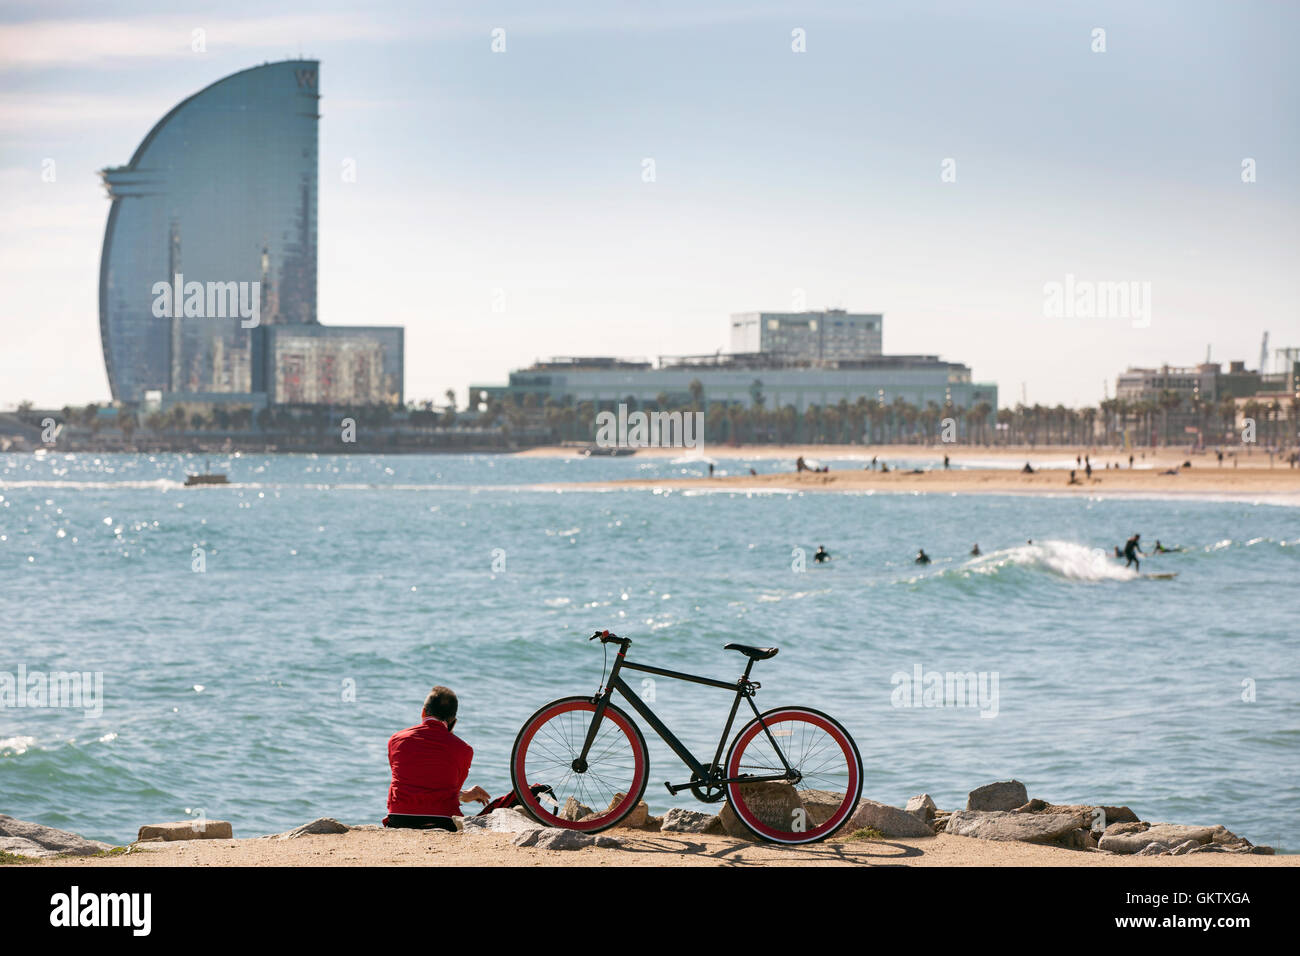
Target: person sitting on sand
[
  {"x": 1073, "y": 480},
  {"x": 922, "y": 557},
  {"x": 821, "y": 555},
  {"x": 883, "y": 468},
  {"x": 800, "y": 465},
  {"x": 975, "y": 550},
  {"x": 1027, "y": 470},
  {"x": 1131, "y": 553},
  {"x": 430, "y": 765}
]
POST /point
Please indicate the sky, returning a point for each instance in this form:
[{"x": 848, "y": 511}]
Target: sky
[{"x": 940, "y": 163}]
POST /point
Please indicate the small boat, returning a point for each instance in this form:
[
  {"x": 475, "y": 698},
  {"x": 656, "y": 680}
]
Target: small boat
[{"x": 205, "y": 478}]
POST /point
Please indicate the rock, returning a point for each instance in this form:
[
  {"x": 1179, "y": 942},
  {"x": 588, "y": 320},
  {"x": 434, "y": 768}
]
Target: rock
[
  {"x": 1132, "y": 837},
  {"x": 1154, "y": 849},
  {"x": 820, "y": 804},
  {"x": 186, "y": 830},
  {"x": 637, "y": 817},
  {"x": 1003, "y": 795},
  {"x": 678, "y": 820},
  {"x": 503, "y": 820},
  {"x": 1096, "y": 814},
  {"x": 889, "y": 821},
  {"x": 528, "y": 837},
  {"x": 319, "y": 825},
  {"x": 573, "y": 810},
  {"x": 775, "y": 804},
  {"x": 558, "y": 838},
  {"x": 1008, "y": 825},
  {"x": 608, "y": 842},
  {"x": 923, "y": 808},
  {"x": 1081, "y": 839},
  {"x": 35, "y": 839}
]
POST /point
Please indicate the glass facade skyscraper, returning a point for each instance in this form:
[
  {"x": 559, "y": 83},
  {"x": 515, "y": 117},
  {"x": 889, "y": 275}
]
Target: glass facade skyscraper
[{"x": 222, "y": 190}]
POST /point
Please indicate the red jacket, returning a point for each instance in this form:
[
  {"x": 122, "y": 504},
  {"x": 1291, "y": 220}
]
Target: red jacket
[{"x": 430, "y": 765}]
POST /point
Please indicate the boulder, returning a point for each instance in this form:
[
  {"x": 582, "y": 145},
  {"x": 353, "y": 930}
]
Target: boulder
[
  {"x": 923, "y": 808},
  {"x": 889, "y": 821},
  {"x": 1008, "y": 825},
  {"x": 1132, "y": 837},
  {"x": 1154, "y": 849},
  {"x": 573, "y": 810},
  {"x": 775, "y": 804},
  {"x": 558, "y": 838},
  {"x": 317, "y": 826},
  {"x": 35, "y": 839},
  {"x": 1096, "y": 813},
  {"x": 678, "y": 820},
  {"x": 502, "y": 820},
  {"x": 820, "y": 804},
  {"x": 1003, "y": 795},
  {"x": 637, "y": 817},
  {"x": 186, "y": 830}
]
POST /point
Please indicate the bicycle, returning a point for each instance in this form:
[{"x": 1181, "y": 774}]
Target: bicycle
[{"x": 799, "y": 792}]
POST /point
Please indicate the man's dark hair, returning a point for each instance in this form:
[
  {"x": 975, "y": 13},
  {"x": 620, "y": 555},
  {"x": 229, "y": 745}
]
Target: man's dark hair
[{"x": 441, "y": 703}]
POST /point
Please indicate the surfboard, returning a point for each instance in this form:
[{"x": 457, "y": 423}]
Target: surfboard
[{"x": 1166, "y": 576}]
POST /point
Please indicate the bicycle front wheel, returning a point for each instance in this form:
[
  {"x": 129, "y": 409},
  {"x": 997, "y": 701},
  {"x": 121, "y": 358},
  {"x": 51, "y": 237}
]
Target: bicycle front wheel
[
  {"x": 589, "y": 796},
  {"x": 829, "y": 770}
]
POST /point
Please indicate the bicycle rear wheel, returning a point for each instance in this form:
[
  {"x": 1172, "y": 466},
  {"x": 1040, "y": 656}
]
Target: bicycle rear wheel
[
  {"x": 830, "y": 775},
  {"x": 594, "y": 798}
]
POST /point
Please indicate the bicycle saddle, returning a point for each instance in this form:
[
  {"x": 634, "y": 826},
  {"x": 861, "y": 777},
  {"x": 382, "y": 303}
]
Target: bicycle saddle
[{"x": 753, "y": 653}]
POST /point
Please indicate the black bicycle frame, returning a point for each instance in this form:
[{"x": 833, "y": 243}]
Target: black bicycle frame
[{"x": 744, "y": 688}]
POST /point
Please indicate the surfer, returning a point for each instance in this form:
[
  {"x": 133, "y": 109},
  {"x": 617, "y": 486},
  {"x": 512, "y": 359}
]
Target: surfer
[
  {"x": 922, "y": 557},
  {"x": 975, "y": 550},
  {"x": 821, "y": 555},
  {"x": 1131, "y": 552},
  {"x": 1161, "y": 549}
]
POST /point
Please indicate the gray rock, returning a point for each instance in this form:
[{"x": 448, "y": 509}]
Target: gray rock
[
  {"x": 527, "y": 837},
  {"x": 49, "y": 840},
  {"x": 1132, "y": 837},
  {"x": 775, "y": 804},
  {"x": 1183, "y": 848},
  {"x": 890, "y": 821},
  {"x": 923, "y": 808},
  {"x": 557, "y": 838},
  {"x": 502, "y": 820},
  {"x": 608, "y": 842},
  {"x": 1022, "y": 827},
  {"x": 820, "y": 804},
  {"x": 1154, "y": 849},
  {"x": 1003, "y": 795},
  {"x": 678, "y": 820},
  {"x": 318, "y": 826}
]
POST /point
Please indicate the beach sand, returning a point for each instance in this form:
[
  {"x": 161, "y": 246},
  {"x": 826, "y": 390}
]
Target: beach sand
[
  {"x": 378, "y": 847},
  {"x": 989, "y": 471}
]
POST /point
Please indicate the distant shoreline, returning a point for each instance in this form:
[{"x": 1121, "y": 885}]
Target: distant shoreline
[{"x": 1277, "y": 485}]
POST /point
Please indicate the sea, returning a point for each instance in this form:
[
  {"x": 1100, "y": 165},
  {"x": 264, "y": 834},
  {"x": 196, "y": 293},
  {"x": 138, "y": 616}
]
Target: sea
[{"x": 246, "y": 650}]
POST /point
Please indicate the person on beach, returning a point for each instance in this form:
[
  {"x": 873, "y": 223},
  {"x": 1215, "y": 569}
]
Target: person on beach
[
  {"x": 1027, "y": 470},
  {"x": 821, "y": 555},
  {"x": 800, "y": 465},
  {"x": 945, "y": 462},
  {"x": 430, "y": 765},
  {"x": 1131, "y": 553},
  {"x": 922, "y": 557}
]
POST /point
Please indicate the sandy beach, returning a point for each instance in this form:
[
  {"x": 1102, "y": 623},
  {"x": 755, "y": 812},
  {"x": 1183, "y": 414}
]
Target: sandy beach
[
  {"x": 988, "y": 471},
  {"x": 379, "y": 847}
]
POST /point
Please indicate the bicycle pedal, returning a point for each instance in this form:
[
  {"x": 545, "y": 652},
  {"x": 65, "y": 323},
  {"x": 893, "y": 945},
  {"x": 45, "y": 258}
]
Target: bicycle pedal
[{"x": 669, "y": 787}]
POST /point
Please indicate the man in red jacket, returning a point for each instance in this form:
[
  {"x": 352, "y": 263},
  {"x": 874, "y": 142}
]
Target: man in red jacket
[{"x": 430, "y": 765}]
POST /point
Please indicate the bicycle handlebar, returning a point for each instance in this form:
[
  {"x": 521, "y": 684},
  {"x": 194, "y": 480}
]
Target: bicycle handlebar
[{"x": 608, "y": 638}]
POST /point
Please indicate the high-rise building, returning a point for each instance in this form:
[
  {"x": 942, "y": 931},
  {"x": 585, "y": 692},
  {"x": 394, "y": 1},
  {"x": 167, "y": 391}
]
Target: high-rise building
[
  {"x": 211, "y": 242},
  {"x": 832, "y": 335}
]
